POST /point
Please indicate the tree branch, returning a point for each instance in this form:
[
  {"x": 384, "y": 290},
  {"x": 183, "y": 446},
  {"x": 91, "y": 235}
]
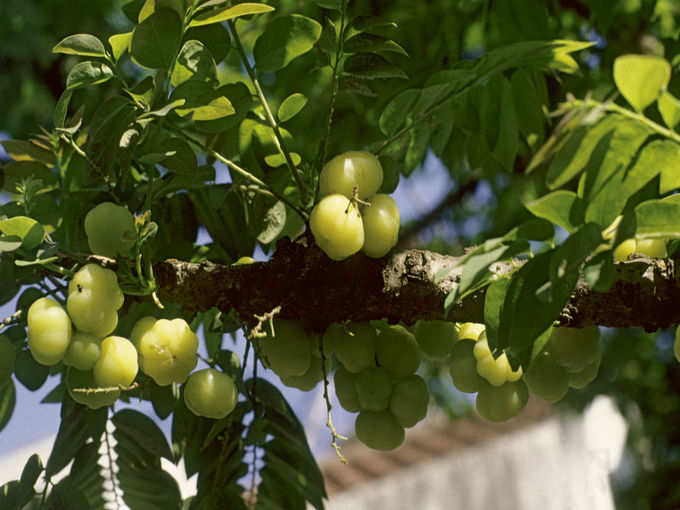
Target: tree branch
[{"x": 309, "y": 286}]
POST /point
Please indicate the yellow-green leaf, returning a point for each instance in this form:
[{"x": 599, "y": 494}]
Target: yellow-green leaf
[
  {"x": 669, "y": 107},
  {"x": 227, "y": 13},
  {"x": 641, "y": 78}
]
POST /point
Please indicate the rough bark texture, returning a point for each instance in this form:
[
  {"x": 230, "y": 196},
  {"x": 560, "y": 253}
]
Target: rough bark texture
[{"x": 309, "y": 286}]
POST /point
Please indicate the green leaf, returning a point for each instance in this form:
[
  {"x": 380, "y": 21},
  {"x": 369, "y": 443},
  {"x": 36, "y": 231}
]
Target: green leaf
[
  {"x": 30, "y": 474},
  {"x": 418, "y": 142},
  {"x": 291, "y": 106},
  {"x": 73, "y": 431},
  {"x": 335, "y": 5},
  {"x": 493, "y": 310},
  {"x": 641, "y": 78},
  {"x": 397, "y": 110},
  {"x": 669, "y": 163},
  {"x": 214, "y": 37},
  {"x": 476, "y": 266},
  {"x": 156, "y": 40},
  {"x": 7, "y": 402},
  {"x": 140, "y": 429},
  {"x": 570, "y": 255},
  {"x": 599, "y": 272},
  {"x": 278, "y": 159},
  {"x": 530, "y": 116},
  {"x": 227, "y": 13},
  {"x": 285, "y": 39},
  {"x": 202, "y": 102},
  {"x": 88, "y": 73},
  {"x": 21, "y": 150},
  {"x": 30, "y": 373},
  {"x": 61, "y": 109},
  {"x": 119, "y": 44},
  {"x": 194, "y": 62},
  {"x": 369, "y": 43},
  {"x": 27, "y": 229},
  {"x": 507, "y": 143},
  {"x": 531, "y": 230},
  {"x": 558, "y": 208},
  {"x": 179, "y": 156},
  {"x": 142, "y": 93},
  {"x": 369, "y": 66},
  {"x": 658, "y": 218},
  {"x": 669, "y": 107},
  {"x": 80, "y": 44}
]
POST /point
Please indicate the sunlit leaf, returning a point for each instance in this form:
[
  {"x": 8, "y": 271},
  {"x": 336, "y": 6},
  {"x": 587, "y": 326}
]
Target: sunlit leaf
[
  {"x": 641, "y": 78},
  {"x": 285, "y": 39},
  {"x": 227, "y": 13},
  {"x": 80, "y": 44},
  {"x": 291, "y": 106}
]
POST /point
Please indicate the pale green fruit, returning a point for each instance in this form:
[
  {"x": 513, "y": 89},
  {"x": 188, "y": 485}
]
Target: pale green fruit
[
  {"x": 470, "y": 330},
  {"x": 110, "y": 230},
  {"x": 349, "y": 169},
  {"x": 581, "y": 379},
  {"x": 463, "y": 367},
  {"x": 167, "y": 349},
  {"x": 312, "y": 377},
  {"x": 84, "y": 380},
  {"x": 546, "y": 378},
  {"x": 337, "y": 227},
  {"x": 374, "y": 387},
  {"x": 497, "y": 371},
  {"x": 652, "y": 248},
  {"x": 381, "y": 226},
  {"x": 500, "y": 403},
  {"x": 353, "y": 344},
  {"x": 83, "y": 352},
  {"x": 117, "y": 364},
  {"x": 93, "y": 300},
  {"x": 409, "y": 400},
  {"x": 623, "y": 250},
  {"x": 210, "y": 393},
  {"x": 49, "y": 331},
  {"x": 379, "y": 430},
  {"x": 436, "y": 338},
  {"x": 574, "y": 348},
  {"x": 289, "y": 352},
  {"x": 396, "y": 350},
  {"x": 345, "y": 389},
  {"x": 7, "y": 359},
  {"x": 676, "y": 344}
]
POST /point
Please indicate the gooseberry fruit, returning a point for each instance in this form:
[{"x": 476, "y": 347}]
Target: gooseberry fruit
[
  {"x": 652, "y": 248},
  {"x": 574, "y": 348},
  {"x": 93, "y": 300},
  {"x": 312, "y": 377},
  {"x": 353, "y": 344},
  {"x": 210, "y": 393},
  {"x": 470, "y": 330},
  {"x": 84, "y": 380},
  {"x": 345, "y": 390},
  {"x": 374, "y": 387},
  {"x": 436, "y": 338},
  {"x": 167, "y": 349},
  {"x": 379, "y": 430},
  {"x": 381, "y": 226},
  {"x": 49, "y": 331},
  {"x": 500, "y": 403},
  {"x": 110, "y": 230},
  {"x": 83, "y": 351},
  {"x": 396, "y": 350},
  {"x": 289, "y": 352},
  {"x": 463, "y": 367},
  {"x": 117, "y": 364},
  {"x": 337, "y": 227},
  {"x": 623, "y": 250},
  {"x": 546, "y": 378},
  {"x": 581, "y": 379},
  {"x": 409, "y": 400},
  {"x": 349, "y": 170}
]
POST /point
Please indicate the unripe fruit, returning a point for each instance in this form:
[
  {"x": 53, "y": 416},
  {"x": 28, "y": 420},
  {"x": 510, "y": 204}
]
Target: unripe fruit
[
  {"x": 463, "y": 367},
  {"x": 289, "y": 352},
  {"x": 379, "y": 430},
  {"x": 396, "y": 350},
  {"x": 167, "y": 349},
  {"x": 345, "y": 389},
  {"x": 497, "y": 371},
  {"x": 652, "y": 248},
  {"x": 374, "y": 387},
  {"x": 623, "y": 250},
  {"x": 409, "y": 400},
  {"x": 546, "y": 378},
  {"x": 676, "y": 344},
  {"x": 117, "y": 364},
  {"x": 574, "y": 348},
  {"x": 83, "y": 352},
  {"x": 579, "y": 380},
  {"x": 381, "y": 226},
  {"x": 7, "y": 359},
  {"x": 436, "y": 338},
  {"x": 353, "y": 344},
  {"x": 337, "y": 227},
  {"x": 210, "y": 393},
  {"x": 84, "y": 380},
  {"x": 345, "y": 171},
  {"x": 470, "y": 330},
  {"x": 110, "y": 230},
  {"x": 503, "y": 402},
  {"x": 312, "y": 377},
  {"x": 49, "y": 331},
  {"x": 93, "y": 300}
]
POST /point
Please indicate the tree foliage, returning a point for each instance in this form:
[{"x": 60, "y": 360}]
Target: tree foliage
[{"x": 218, "y": 116}]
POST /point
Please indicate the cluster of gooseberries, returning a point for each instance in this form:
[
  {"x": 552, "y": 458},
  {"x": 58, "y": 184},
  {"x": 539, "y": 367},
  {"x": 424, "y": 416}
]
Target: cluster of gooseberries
[
  {"x": 351, "y": 214},
  {"x": 99, "y": 363}
]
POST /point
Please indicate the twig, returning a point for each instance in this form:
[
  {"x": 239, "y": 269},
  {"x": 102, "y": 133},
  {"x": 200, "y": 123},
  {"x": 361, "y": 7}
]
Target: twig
[{"x": 329, "y": 421}]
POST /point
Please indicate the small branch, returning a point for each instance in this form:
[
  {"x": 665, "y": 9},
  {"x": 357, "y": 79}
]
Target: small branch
[
  {"x": 278, "y": 139},
  {"x": 329, "y": 421}
]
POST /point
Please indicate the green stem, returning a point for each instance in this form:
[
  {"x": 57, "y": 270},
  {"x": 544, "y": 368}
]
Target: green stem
[
  {"x": 278, "y": 139},
  {"x": 334, "y": 94}
]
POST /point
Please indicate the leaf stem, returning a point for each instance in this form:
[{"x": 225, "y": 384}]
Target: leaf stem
[{"x": 278, "y": 139}]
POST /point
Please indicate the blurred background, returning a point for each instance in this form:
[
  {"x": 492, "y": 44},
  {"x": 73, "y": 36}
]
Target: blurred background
[{"x": 454, "y": 199}]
